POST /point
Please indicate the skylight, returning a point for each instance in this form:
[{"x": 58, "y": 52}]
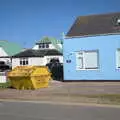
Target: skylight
[{"x": 118, "y": 21}]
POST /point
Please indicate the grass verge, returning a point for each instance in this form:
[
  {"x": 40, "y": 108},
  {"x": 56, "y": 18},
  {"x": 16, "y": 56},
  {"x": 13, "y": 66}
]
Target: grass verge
[
  {"x": 103, "y": 98},
  {"x": 5, "y": 85},
  {"x": 93, "y": 98}
]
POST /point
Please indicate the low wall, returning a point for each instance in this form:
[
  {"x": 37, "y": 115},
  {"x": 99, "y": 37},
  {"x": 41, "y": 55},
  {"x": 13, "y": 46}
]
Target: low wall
[{"x": 3, "y": 77}]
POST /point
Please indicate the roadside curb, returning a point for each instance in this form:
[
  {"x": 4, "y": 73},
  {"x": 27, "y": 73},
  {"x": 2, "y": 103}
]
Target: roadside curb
[{"x": 60, "y": 103}]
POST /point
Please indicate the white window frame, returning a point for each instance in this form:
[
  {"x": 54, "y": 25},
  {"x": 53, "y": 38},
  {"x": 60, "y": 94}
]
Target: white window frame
[
  {"x": 43, "y": 45},
  {"x": 83, "y": 58},
  {"x": 22, "y": 60},
  {"x": 117, "y": 66}
]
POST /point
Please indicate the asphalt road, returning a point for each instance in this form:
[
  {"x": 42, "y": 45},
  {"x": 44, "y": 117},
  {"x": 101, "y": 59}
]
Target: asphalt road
[{"x": 43, "y": 111}]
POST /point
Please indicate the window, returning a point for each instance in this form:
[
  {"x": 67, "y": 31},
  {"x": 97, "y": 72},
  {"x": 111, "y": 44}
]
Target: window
[
  {"x": 118, "y": 22},
  {"x": 40, "y": 46},
  {"x": 47, "y": 45},
  {"x": 118, "y": 58},
  {"x": 23, "y": 61},
  {"x": 87, "y": 60},
  {"x": 44, "y": 45}
]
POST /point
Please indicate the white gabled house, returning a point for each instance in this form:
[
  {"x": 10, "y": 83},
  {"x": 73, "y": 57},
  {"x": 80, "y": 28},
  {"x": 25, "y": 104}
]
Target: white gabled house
[
  {"x": 41, "y": 53},
  {"x": 8, "y": 49}
]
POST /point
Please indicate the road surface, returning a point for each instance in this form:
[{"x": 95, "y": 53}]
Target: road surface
[{"x": 45, "y": 111}]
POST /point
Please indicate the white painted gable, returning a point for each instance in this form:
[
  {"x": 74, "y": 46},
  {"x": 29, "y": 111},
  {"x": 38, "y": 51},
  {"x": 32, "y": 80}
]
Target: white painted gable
[
  {"x": 2, "y": 52},
  {"x": 36, "y": 47}
]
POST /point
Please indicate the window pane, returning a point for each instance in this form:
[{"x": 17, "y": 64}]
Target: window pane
[
  {"x": 23, "y": 62},
  {"x": 43, "y": 45},
  {"x": 47, "y": 45},
  {"x": 26, "y": 62},
  {"x": 20, "y": 62},
  {"x": 91, "y": 59},
  {"x": 118, "y": 58},
  {"x": 40, "y": 46},
  {"x": 79, "y": 62}
]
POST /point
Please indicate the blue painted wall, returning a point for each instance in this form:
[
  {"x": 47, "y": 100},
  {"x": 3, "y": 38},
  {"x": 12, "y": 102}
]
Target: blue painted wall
[{"x": 107, "y": 46}]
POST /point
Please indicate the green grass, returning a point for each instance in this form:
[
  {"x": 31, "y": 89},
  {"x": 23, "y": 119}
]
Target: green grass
[
  {"x": 93, "y": 98},
  {"x": 105, "y": 98},
  {"x": 5, "y": 85}
]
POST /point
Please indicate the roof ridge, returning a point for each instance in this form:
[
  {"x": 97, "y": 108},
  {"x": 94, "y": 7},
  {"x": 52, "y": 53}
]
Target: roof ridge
[
  {"x": 4, "y": 40},
  {"x": 110, "y": 13}
]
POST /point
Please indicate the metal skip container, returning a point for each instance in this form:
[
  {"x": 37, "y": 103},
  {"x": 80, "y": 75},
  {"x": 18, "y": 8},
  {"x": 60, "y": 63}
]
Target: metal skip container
[{"x": 29, "y": 77}]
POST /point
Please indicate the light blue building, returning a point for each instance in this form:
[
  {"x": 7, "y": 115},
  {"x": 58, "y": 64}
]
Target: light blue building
[{"x": 91, "y": 48}]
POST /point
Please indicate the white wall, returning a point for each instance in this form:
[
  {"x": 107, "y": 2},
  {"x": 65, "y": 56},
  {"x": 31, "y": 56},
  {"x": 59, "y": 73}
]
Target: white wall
[
  {"x": 3, "y": 56},
  {"x": 37, "y": 61},
  {"x": 15, "y": 62},
  {"x": 51, "y": 46},
  {"x": 3, "y": 77},
  {"x": 6, "y": 60},
  {"x": 2, "y": 52},
  {"x": 47, "y": 59},
  {"x": 36, "y": 47},
  {"x": 60, "y": 45}
]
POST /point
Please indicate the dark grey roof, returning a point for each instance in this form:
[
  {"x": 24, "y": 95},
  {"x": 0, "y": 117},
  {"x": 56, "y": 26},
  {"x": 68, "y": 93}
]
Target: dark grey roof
[
  {"x": 5, "y": 56},
  {"x": 37, "y": 53},
  {"x": 95, "y": 25}
]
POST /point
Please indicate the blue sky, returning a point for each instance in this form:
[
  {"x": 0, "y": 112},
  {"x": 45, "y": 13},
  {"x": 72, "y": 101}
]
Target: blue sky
[{"x": 26, "y": 21}]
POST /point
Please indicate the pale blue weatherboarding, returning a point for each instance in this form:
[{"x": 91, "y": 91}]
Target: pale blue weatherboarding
[{"x": 107, "y": 46}]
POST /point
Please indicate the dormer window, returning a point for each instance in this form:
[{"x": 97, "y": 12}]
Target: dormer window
[
  {"x": 40, "y": 46},
  {"x": 118, "y": 21},
  {"x": 47, "y": 45},
  {"x": 43, "y": 45}
]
